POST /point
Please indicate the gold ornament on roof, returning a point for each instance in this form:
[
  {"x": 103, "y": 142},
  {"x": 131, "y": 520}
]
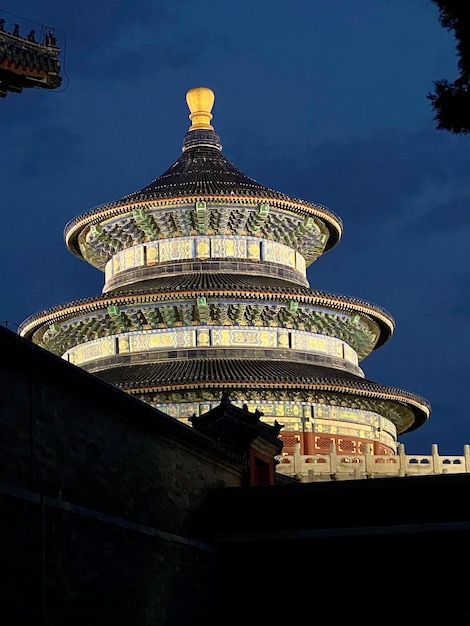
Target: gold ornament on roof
[{"x": 200, "y": 101}]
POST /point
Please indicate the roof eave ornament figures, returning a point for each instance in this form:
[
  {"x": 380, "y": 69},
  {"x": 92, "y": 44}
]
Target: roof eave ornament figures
[{"x": 29, "y": 60}]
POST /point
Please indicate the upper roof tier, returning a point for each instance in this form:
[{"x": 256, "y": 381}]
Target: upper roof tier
[{"x": 201, "y": 173}]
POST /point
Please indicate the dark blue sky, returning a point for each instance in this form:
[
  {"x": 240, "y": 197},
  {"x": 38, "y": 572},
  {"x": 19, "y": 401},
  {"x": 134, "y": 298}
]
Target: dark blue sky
[{"x": 321, "y": 99}]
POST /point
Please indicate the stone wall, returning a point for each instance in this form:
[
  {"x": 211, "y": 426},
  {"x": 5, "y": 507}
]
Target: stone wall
[
  {"x": 114, "y": 513},
  {"x": 386, "y": 551},
  {"x": 102, "y": 501}
]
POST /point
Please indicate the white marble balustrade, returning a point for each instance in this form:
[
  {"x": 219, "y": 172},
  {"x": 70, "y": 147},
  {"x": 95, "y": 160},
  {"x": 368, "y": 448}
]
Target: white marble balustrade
[{"x": 335, "y": 466}]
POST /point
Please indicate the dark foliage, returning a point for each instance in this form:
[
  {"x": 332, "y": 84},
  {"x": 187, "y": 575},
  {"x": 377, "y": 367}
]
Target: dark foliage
[{"x": 451, "y": 100}]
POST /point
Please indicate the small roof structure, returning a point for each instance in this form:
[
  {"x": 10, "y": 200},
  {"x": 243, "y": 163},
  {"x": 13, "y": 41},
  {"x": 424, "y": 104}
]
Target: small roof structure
[
  {"x": 238, "y": 428},
  {"x": 28, "y": 60}
]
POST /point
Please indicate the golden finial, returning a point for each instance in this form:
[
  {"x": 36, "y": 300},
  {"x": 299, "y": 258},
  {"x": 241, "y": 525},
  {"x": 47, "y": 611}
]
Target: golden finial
[{"x": 200, "y": 101}]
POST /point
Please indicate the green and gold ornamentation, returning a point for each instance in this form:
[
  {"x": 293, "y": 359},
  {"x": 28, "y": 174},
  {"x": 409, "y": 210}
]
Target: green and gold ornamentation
[{"x": 206, "y": 292}]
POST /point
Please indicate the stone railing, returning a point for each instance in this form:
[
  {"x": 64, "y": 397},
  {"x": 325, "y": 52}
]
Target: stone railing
[{"x": 334, "y": 466}]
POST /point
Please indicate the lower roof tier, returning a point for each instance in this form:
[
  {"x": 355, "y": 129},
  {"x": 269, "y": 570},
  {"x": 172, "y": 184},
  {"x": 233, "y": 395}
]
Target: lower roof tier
[
  {"x": 312, "y": 426},
  {"x": 158, "y": 382}
]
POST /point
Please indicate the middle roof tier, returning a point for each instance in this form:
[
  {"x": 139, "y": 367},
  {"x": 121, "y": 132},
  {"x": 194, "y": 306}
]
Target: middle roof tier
[{"x": 212, "y": 300}]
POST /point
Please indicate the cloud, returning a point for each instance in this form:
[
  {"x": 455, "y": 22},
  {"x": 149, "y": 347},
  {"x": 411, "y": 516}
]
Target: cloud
[
  {"x": 127, "y": 40},
  {"x": 387, "y": 181},
  {"x": 136, "y": 60},
  {"x": 39, "y": 149}
]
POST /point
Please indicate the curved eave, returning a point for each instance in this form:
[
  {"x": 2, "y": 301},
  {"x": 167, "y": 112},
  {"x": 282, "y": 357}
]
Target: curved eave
[
  {"x": 25, "y": 64},
  {"x": 245, "y": 374},
  {"x": 107, "y": 211},
  {"x": 322, "y": 299}
]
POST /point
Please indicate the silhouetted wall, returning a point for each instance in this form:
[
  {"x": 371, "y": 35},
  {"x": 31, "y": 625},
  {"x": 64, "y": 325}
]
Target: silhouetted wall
[
  {"x": 102, "y": 518},
  {"x": 387, "y": 551},
  {"x": 114, "y": 513}
]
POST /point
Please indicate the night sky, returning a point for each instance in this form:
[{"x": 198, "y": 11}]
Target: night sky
[{"x": 321, "y": 99}]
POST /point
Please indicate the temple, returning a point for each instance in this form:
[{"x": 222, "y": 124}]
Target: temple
[
  {"x": 206, "y": 295},
  {"x": 28, "y": 59}
]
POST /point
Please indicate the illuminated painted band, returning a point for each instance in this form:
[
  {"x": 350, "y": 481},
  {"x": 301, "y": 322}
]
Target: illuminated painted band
[
  {"x": 203, "y": 248},
  {"x": 207, "y": 337},
  {"x": 322, "y": 419}
]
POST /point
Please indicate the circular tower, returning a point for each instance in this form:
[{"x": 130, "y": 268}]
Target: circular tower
[{"x": 206, "y": 292}]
